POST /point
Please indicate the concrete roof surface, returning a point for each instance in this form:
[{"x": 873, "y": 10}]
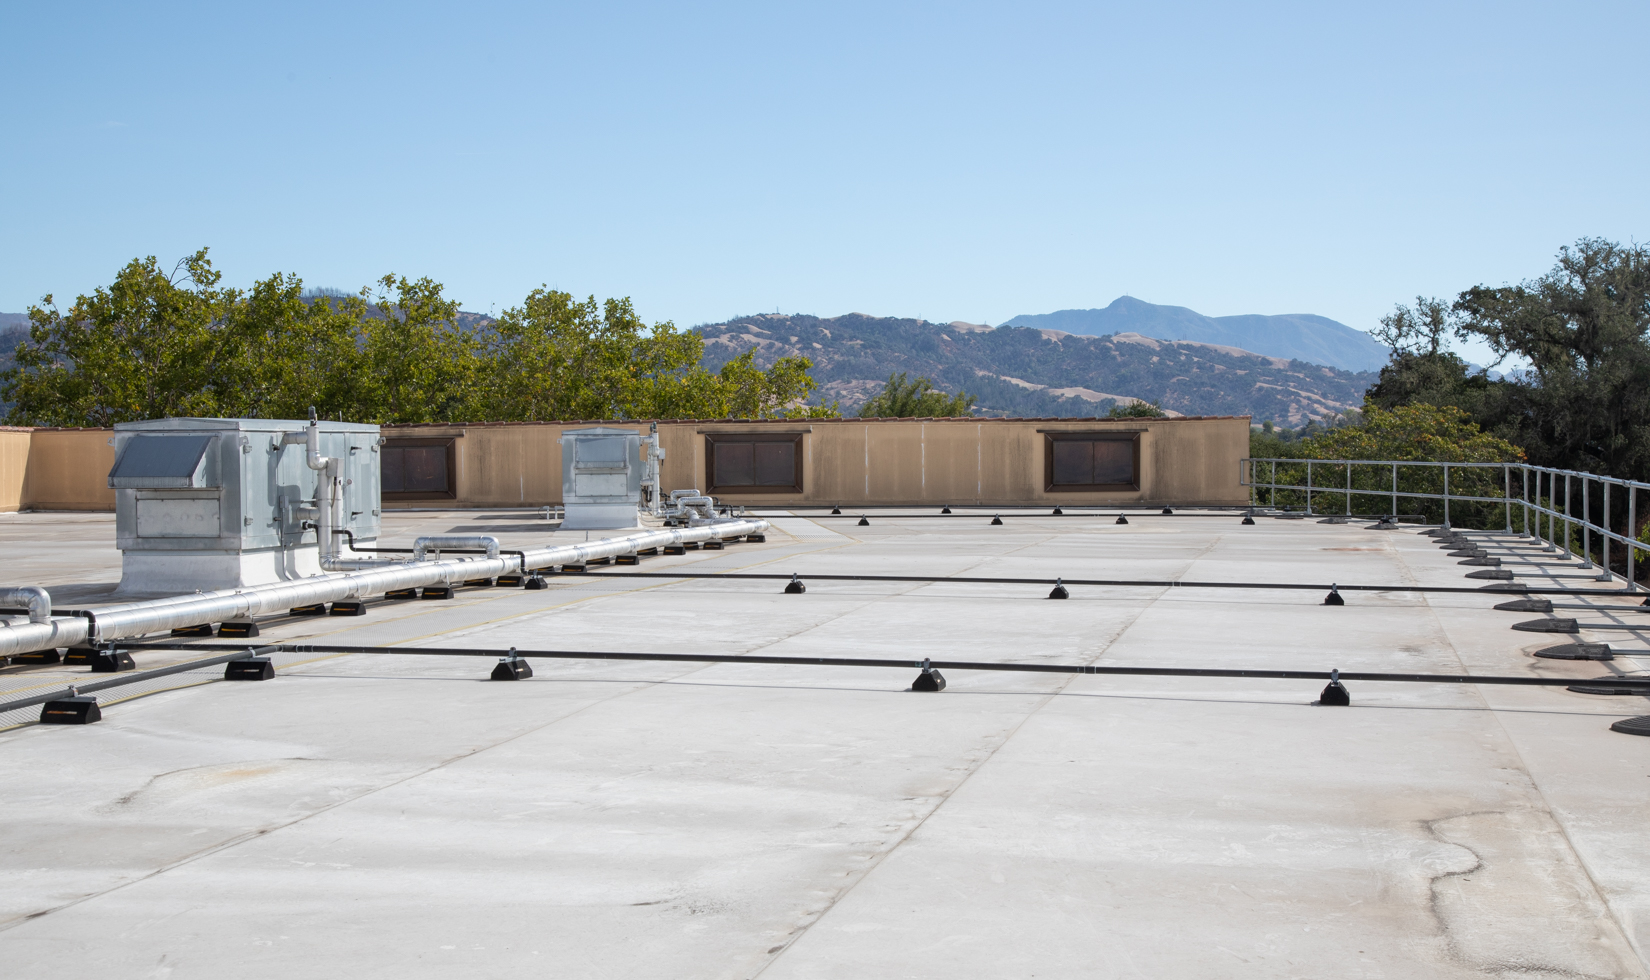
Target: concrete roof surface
[{"x": 403, "y": 816}]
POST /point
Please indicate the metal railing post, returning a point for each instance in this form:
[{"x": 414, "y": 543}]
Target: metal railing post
[
  {"x": 1349, "y": 488},
  {"x": 1506, "y": 493},
  {"x": 1567, "y": 552},
  {"x": 1632, "y": 534},
  {"x": 1394, "y": 491},
  {"x": 1524, "y": 498},
  {"x": 1274, "y": 484},
  {"x": 1446, "y": 495},
  {"x": 1586, "y": 522},
  {"x": 1604, "y": 575},
  {"x": 1309, "y": 488}
]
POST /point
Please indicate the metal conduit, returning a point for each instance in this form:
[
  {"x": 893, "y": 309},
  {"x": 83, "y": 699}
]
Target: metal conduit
[
  {"x": 157, "y": 615},
  {"x": 122, "y": 680},
  {"x": 1130, "y": 583},
  {"x": 717, "y": 658}
]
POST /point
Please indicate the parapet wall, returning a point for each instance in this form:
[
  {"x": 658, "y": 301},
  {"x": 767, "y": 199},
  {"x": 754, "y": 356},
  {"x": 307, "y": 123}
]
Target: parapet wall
[
  {"x": 56, "y": 469},
  {"x": 852, "y": 462},
  {"x": 867, "y": 462}
]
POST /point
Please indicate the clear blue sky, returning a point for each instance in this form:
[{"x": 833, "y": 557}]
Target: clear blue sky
[{"x": 947, "y": 161}]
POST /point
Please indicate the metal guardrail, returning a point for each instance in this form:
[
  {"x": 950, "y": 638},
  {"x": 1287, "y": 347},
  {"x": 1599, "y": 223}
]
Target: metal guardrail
[{"x": 1535, "y": 493}]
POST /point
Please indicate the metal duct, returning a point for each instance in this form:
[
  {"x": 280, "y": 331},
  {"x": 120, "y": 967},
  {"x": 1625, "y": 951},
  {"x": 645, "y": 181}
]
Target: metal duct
[
  {"x": 438, "y": 542},
  {"x": 138, "y": 618},
  {"x": 37, "y": 599},
  {"x": 29, "y": 637}
]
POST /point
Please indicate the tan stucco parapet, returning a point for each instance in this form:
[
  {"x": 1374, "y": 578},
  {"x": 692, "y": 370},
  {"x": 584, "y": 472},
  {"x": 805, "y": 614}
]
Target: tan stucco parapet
[{"x": 1183, "y": 461}]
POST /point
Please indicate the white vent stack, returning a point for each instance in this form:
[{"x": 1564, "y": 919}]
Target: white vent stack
[{"x": 228, "y": 503}]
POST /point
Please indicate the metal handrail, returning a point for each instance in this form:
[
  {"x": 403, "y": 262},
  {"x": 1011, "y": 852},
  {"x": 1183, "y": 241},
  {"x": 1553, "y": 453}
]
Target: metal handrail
[{"x": 1528, "y": 498}]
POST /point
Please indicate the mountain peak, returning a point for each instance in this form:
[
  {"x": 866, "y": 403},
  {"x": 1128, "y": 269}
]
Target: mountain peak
[{"x": 1296, "y": 336}]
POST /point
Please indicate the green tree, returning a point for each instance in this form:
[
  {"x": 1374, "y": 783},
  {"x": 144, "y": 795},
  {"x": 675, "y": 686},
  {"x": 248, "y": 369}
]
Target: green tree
[
  {"x": 296, "y": 351},
  {"x": 1429, "y": 433},
  {"x": 418, "y": 364},
  {"x": 1415, "y": 433},
  {"x": 1136, "y": 410},
  {"x": 556, "y": 358},
  {"x": 902, "y": 399},
  {"x": 1584, "y": 328},
  {"x": 154, "y": 344},
  {"x": 151, "y": 344}
]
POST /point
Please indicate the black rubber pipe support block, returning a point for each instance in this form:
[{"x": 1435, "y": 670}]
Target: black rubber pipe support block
[
  {"x": 250, "y": 669},
  {"x": 996, "y": 520},
  {"x": 1121, "y": 519},
  {"x": 1548, "y": 626},
  {"x": 946, "y": 509},
  {"x": 929, "y": 680},
  {"x": 1168, "y": 510},
  {"x": 1527, "y": 605},
  {"x": 111, "y": 662},
  {"x": 1335, "y": 695},
  {"x": 1333, "y": 598},
  {"x": 1577, "y": 651},
  {"x": 512, "y": 670},
  {"x": 1058, "y": 513},
  {"x": 864, "y": 523},
  {"x": 318, "y": 609},
  {"x": 1495, "y": 573},
  {"x": 81, "y": 709},
  {"x": 1586, "y": 688},
  {"x": 349, "y": 607},
  {"x": 535, "y": 583},
  {"x": 795, "y": 586},
  {"x": 836, "y": 510},
  {"x": 1247, "y": 520},
  {"x": 1633, "y": 726}
]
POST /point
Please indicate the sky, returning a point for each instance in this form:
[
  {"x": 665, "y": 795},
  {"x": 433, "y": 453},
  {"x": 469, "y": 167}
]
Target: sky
[{"x": 948, "y": 161}]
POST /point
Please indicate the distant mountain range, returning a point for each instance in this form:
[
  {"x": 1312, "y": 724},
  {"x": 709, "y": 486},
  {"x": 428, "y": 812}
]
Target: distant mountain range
[
  {"x": 1040, "y": 372},
  {"x": 1080, "y": 369},
  {"x": 1297, "y": 336}
]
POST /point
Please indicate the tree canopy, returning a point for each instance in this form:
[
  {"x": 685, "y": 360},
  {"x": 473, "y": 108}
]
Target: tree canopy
[
  {"x": 155, "y": 343},
  {"x": 915, "y": 399},
  {"x": 1584, "y": 329}
]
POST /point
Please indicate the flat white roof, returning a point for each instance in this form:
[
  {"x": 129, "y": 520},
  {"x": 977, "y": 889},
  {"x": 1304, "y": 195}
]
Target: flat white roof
[{"x": 369, "y": 815}]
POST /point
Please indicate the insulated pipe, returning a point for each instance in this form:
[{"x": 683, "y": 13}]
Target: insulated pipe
[
  {"x": 28, "y": 637},
  {"x": 138, "y": 618},
  {"x": 326, "y": 469},
  {"x": 38, "y": 600},
  {"x": 438, "y": 542}
]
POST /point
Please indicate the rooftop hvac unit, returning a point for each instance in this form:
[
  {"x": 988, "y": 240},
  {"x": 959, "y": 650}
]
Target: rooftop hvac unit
[
  {"x": 224, "y": 503},
  {"x": 601, "y": 478}
]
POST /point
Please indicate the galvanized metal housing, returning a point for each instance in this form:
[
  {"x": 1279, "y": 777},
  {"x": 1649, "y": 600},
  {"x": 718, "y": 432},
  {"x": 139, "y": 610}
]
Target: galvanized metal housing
[{"x": 215, "y": 503}]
